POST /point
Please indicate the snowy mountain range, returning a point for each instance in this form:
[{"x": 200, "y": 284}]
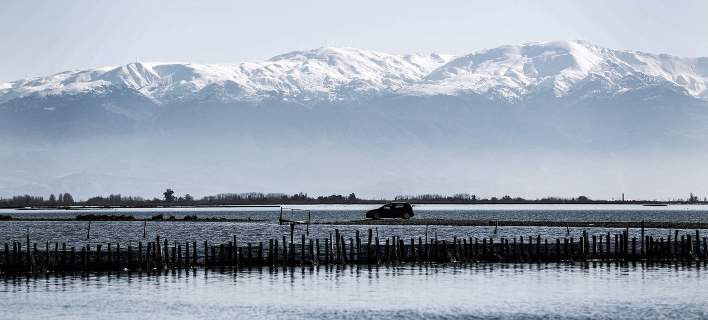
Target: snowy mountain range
[
  {"x": 508, "y": 73},
  {"x": 341, "y": 120}
]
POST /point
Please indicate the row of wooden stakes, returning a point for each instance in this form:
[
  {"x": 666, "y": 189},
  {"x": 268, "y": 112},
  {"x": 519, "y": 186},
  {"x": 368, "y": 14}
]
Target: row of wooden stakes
[{"x": 161, "y": 254}]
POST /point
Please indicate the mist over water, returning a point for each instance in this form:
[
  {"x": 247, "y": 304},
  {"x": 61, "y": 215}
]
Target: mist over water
[{"x": 146, "y": 169}]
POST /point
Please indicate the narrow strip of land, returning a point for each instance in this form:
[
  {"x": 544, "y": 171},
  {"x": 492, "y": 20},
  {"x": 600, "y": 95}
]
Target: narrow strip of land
[{"x": 524, "y": 223}]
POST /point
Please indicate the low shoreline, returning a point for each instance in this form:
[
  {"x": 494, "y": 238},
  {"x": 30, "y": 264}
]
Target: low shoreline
[
  {"x": 520, "y": 223},
  {"x": 646, "y": 203},
  {"x": 418, "y": 222}
]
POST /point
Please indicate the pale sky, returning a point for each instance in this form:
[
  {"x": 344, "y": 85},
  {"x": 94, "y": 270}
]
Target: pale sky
[{"x": 45, "y": 37}]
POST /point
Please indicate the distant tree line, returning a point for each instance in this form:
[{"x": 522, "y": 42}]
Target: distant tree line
[
  {"x": 62, "y": 199},
  {"x": 171, "y": 198}
]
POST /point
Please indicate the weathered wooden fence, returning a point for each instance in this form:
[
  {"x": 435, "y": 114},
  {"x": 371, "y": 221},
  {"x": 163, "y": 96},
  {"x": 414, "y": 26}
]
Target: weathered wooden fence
[{"x": 161, "y": 254}]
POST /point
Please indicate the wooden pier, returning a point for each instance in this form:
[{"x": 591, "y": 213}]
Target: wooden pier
[{"x": 161, "y": 254}]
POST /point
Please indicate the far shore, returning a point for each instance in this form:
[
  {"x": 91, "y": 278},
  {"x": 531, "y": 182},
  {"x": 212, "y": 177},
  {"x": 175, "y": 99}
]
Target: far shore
[{"x": 372, "y": 202}]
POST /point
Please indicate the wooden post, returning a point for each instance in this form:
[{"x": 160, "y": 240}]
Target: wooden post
[
  {"x": 175, "y": 258},
  {"x": 148, "y": 256},
  {"x": 110, "y": 256},
  {"x": 213, "y": 261},
  {"x": 206, "y": 254},
  {"x": 607, "y": 239},
  {"x": 337, "y": 249},
  {"x": 7, "y": 255},
  {"x": 546, "y": 253},
  {"x": 130, "y": 256},
  {"x": 317, "y": 252},
  {"x": 73, "y": 254},
  {"x": 230, "y": 253},
  {"x": 312, "y": 252},
  {"x": 538, "y": 247},
  {"x": 327, "y": 251},
  {"x": 180, "y": 262},
  {"x": 285, "y": 251},
  {"x": 238, "y": 253},
  {"x": 302, "y": 249},
  {"x": 369, "y": 247},
  {"x": 594, "y": 246},
  {"x": 46, "y": 254},
  {"x": 166, "y": 253},
  {"x": 358, "y": 248},
  {"x": 260, "y": 253},
  {"x": 270, "y": 252},
  {"x": 98, "y": 261},
  {"x": 118, "y": 255},
  {"x": 194, "y": 253},
  {"x": 56, "y": 254},
  {"x": 29, "y": 253},
  {"x": 642, "y": 247},
  {"x": 343, "y": 257},
  {"x": 275, "y": 252},
  {"x": 63, "y": 255},
  {"x": 413, "y": 256}
]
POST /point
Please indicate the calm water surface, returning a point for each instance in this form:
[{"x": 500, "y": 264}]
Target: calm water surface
[
  {"x": 686, "y": 213},
  {"x": 74, "y": 233},
  {"x": 489, "y": 291}
]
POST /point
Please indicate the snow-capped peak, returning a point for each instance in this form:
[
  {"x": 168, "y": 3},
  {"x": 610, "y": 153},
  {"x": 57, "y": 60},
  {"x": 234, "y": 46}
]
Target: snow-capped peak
[
  {"x": 321, "y": 74},
  {"x": 509, "y": 73},
  {"x": 559, "y": 67}
]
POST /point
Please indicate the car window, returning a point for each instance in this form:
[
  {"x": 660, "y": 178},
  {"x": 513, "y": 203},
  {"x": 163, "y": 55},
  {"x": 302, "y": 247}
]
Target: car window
[
  {"x": 399, "y": 206},
  {"x": 387, "y": 207}
]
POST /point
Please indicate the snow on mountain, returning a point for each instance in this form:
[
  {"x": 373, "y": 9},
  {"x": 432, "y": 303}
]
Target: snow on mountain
[
  {"x": 513, "y": 72},
  {"x": 323, "y": 74},
  {"x": 507, "y": 73}
]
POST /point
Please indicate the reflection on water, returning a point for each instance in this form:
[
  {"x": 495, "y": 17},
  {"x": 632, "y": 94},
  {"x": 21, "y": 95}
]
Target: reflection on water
[{"x": 526, "y": 291}]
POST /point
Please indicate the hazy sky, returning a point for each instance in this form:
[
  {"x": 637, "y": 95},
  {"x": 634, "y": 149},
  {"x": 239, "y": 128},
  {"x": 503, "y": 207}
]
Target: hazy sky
[{"x": 43, "y": 37}]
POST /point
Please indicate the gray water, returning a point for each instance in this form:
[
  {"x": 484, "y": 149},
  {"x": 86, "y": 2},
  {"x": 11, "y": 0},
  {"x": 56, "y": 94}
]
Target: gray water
[
  {"x": 490, "y": 291},
  {"x": 536, "y": 212},
  {"x": 74, "y": 233}
]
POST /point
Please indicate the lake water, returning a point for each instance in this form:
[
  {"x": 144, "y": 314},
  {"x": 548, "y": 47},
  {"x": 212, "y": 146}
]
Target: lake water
[
  {"x": 536, "y": 212},
  {"x": 74, "y": 233},
  {"x": 484, "y": 291},
  {"x": 478, "y": 291}
]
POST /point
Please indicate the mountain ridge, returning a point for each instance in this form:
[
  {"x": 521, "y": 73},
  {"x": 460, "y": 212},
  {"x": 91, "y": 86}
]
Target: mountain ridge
[
  {"x": 510, "y": 73},
  {"x": 538, "y": 118}
]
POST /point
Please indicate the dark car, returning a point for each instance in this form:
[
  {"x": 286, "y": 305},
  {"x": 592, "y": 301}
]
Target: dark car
[{"x": 392, "y": 210}]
